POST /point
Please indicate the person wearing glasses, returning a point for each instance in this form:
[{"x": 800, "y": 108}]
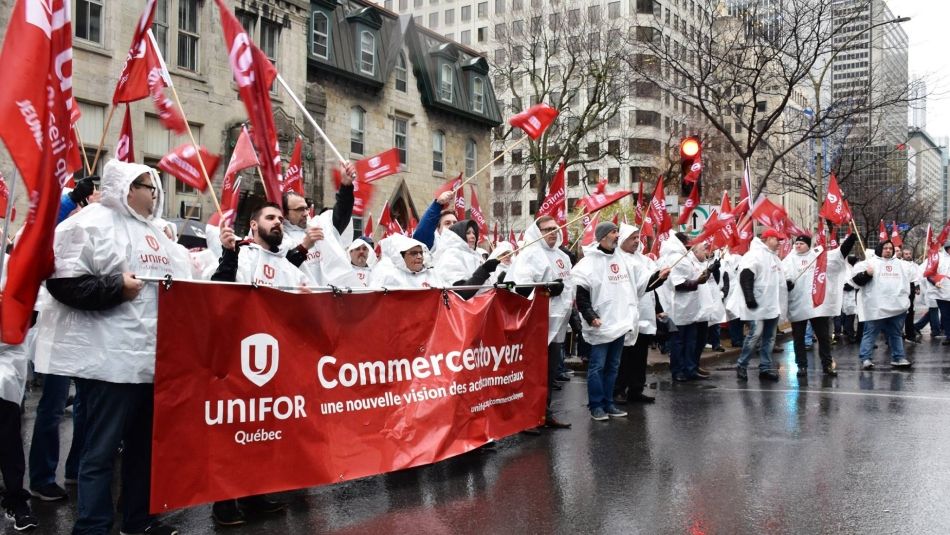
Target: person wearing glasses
[
  {"x": 403, "y": 266},
  {"x": 100, "y": 329}
]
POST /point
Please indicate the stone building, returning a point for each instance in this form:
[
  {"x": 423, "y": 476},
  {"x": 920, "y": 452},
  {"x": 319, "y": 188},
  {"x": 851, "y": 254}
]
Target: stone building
[{"x": 357, "y": 34}]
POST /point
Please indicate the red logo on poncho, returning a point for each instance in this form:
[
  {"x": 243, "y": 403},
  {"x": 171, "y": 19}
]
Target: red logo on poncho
[
  {"x": 560, "y": 263},
  {"x": 152, "y": 242},
  {"x": 268, "y": 271},
  {"x": 889, "y": 268},
  {"x": 615, "y": 268}
]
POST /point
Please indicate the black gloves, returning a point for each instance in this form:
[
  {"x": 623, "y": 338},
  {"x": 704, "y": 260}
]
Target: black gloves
[
  {"x": 789, "y": 284},
  {"x": 556, "y": 288},
  {"x": 848, "y": 288},
  {"x": 491, "y": 265},
  {"x": 714, "y": 267},
  {"x": 751, "y": 304},
  {"x": 82, "y": 191}
]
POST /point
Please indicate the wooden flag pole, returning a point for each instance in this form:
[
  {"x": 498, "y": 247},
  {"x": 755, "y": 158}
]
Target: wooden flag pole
[
  {"x": 492, "y": 162},
  {"x": 82, "y": 148},
  {"x": 6, "y": 217},
  {"x": 102, "y": 138},
  {"x": 864, "y": 253},
  {"x": 311, "y": 120}
]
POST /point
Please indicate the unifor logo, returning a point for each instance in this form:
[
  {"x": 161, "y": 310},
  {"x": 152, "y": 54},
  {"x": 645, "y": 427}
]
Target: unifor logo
[
  {"x": 615, "y": 268},
  {"x": 152, "y": 242},
  {"x": 374, "y": 161},
  {"x": 560, "y": 263},
  {"x": 832, "y": 198},
  {"x": 889, "y": 268},
  {"x": 268, "y": 271},
  {"x": 260, "y": 356}
]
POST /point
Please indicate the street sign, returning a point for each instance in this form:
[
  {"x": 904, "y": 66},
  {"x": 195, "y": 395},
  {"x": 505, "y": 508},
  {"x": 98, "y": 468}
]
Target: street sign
[{"x": 698, "y": 218}]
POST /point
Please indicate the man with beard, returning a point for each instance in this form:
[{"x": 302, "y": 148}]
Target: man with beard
[
  {"x": 362, "y": 259},
  {"x": 762, "y": 283},
  {"x": 883, "y": 302}
]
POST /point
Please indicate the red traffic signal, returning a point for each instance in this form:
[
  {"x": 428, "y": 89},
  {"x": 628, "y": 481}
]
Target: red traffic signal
[
  {"x": 689, "y": 147},
  {"x": 691, "y": 165}
]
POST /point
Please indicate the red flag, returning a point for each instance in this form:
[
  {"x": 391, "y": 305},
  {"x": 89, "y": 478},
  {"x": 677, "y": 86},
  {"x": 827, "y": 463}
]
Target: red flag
[
  {"x": 411, "y": 227},
  {"x": 743, "y": 240},
  {"x": 694, "y": 171},
  {"x": 769, "y": 214},
  {"x": 599, "y": 200},
  {"x": 254, "y": 74},
  {"x": 835, "y": 208},
  {"x": 368, "y": 226},
  {"x": 242, "y": 157},
  {"x": 691, "y": 203},
  {"x": 660, "y": 220},
  {"x": 293, "y": 180},
  {"x": 182, "y": 163},
  {"x": 362, "y": 192},
  {"x": 785, "y": 248},
  {"x": 590, "y": 225},
  {"x": 124, "y": 149},
  {"x": 896, "y": 236},
  {"x": 944, "y": 235},
  {"x": 449, "y": 186},
  {"x": 535, "y": 120},
  {"x": 882, "y": 232},
  {"x": 638, "y": 211},
  {"x": 133, "y": 81},
  {"x": 717, "y": 222},
  {"x": 819, "y": 278},
  {"x": 616, "y": 219},
  {"x": 833, "y": 237},
  {"x": 460, "y": 204},
  {"x": 494, "y": 238},
  {"x": 4, "y": 199},
  {"x": 376, "y": 167},
  {"x": 555, "y": 203},
  {"x": 521, "y": 236},
  {"x": 390, "y": 225},
  {"x": 158, "y": 80},
  {"x": 478, "y": 216},
  {"x": 35, "y": 124},
  {"x": 511, "y": 238}
]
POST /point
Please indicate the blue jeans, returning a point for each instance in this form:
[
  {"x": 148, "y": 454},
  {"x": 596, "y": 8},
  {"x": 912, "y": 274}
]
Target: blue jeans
[
  {"x": 44, "y": 446},
  {"x": 602, "y": 373},
  {"x": 761, "y": 334},
  {"x": 736, "y": 334},
  {"x": 893, "y": 328},
  {"x": 933, "y": 318},
  {"x": 944, "y": 307},
  {"x": 115, "y": 413},
  {"x": 809, "y": 334},
  {"x": 686, "y": 346}
]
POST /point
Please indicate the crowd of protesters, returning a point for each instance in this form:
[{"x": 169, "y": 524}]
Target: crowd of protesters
[{"x": 96, "y": 322}]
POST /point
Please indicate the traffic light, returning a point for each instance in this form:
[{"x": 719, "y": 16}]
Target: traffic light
[{"x": 691, "y": 167}]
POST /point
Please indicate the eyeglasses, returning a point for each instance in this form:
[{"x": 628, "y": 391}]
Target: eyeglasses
[
  {"x": 551, "y": 229},
  {"x": 413, "y": 253},
  {"x": 140, "y": 185},
  {"x": 301, "y": 209}
]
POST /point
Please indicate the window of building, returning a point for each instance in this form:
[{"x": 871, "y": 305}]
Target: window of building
[
  {"x": 499, "y": 7},
  {"x": 532, "y": 207},
  {"x": 446, "y": 83},
  {"x": 498, "y": 210},
  {"x": 401, "y": 139},
  {"x": 402, "y": 74},
  {"x": 516, "y": 208},
  {"x": 357, "y": 118},
  {"x": 320, "y": 37},
  {"x": 613, "y": 175},
  {"x": 517, "y": 28},
  {"x": 573, "y": 179},
  {"x": 500, "y": 31},
  {"x": 188, "y": 35},
  {"x": 478, "y": 95},
  {"x": 515, "y": 182},
  {"x": 449, "y": 16},
  {"x": 613, "y": 147},
  {"x": 466, "y": 13},
  {"x": 417, "y": 3},
  {"x": 434, "y": 19},
  {"x": 593, "y": 149},
  {"x": 516, "y": 156},
  {"x": 471, "y": 157},
  {"x": 593, "y": 176},
  {"x": 645, "y": 7},
  {"x": 647, "y": 118},
  {"x": 498, "y": 184},
  {"x": 88, "y": 21},
  {"x": 482, "y": 34},
  {"x": 438, "y": 151},
  {"x": 367, "y": 53},
  {"x": 482, "y": 10},
  {"x": 160, "y": 26},
  {"x": 466, "y": 37},
  {"x": 498, "y": 158},
  {"x": 270, "y": 39},
  {"x": 533, "y": 181},
  {"x": 613, "y": 10},
  {"x": 517, "y": 5}
]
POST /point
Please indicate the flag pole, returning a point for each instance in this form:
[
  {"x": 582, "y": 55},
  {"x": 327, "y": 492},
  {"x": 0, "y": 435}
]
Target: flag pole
[
  {"x": 864, "y": 253},
  {"x": 492, "y": 162},
  {"x": 191, "y": 137},
  {"x": 311, "y": 120},
  {"x": 82, "y": 147},
  {"x": 6, "y": 218},
  {"x": 102, "y": 138}
]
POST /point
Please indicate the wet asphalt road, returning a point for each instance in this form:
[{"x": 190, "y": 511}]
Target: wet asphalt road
[{"x": 867, "y": 452}]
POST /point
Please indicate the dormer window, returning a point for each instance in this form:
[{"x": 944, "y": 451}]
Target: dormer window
[
  {"x": 478, "y": 95},
  {"x": 367, "y": 53},
  {"x": 320, "y": 37},
  {"x": 446, "y": 83},
  {"x": 401, "y": 73}
]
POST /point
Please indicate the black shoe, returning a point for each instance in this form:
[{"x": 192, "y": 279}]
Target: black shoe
[
  {"x": 260, "y": 504},
  {"x": 802, "y": 372},
  {"x": 50, "y": 493},
  {"x": 563, "y": 378},
  {"x": 556, "y": 386},
  {"x": 768, "y": 375},
  {"x": 642, "y": 398},
  {"x": 552, "y": 423},
  {"x": 809, "y": 347},
  {"x": 719, "y": 349},
  {"x": 682, "y": 379},
  {"x": 946, "y": 342},
  {"x": 742, "y": 373},
  {"x": 620, "y": 399},
  {"x": 533, "y": 431},
  {"x": 829, "y": 371},
  {"x": 21, "y": 516},
  {"x": 226, "y": 513},
  {"x": 703, "y": 372}
]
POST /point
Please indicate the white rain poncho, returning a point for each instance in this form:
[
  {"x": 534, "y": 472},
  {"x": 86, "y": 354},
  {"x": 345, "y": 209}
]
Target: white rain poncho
[
  {"x": 887, "y": 294},
  {"x": 454, "y": 259},
  {"x": 613, "y": 296},
  {"x": 259, "y": 266},
  {"x": 503, "y": 266},
  {"x": 540, "y": 263},
  {"x": 800, "y": 305},
  {"x": 849, "y": 300},
  {"x": 108, "y": 238},
  {"x": 327, "y": 261},
  {"x": 769, "y": 288},
  {"x": 942, "y": 292},
  {"x": 730, "y": 266},
  {"x": 641, "y": 267},
  {"x": 392, "y": 273},
  {"x": 713, "y": 307},
  {"x": 14, "y": 361},
  {"x": 687, "y": 306},
  {"x": 363, "y": 274}
]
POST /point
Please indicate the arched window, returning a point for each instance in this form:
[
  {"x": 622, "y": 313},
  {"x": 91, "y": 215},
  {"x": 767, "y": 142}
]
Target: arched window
[
  {"x": 367, "y": 53},
  {"x": 471, "y": 159},
  {"x": 357, "y": 115},
  {"x": 402, "y": 73},
  {"x": 320, "y": 37},
  {"x": 438, "y": 151}
]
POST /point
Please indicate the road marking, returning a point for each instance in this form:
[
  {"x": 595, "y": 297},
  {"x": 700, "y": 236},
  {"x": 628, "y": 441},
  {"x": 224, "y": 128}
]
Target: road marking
[{"x": 832, "y": 392}]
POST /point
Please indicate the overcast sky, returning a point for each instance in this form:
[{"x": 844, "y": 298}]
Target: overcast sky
[{"x": 928, "y": 32}]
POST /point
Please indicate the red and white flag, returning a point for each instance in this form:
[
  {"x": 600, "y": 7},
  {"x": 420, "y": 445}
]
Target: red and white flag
[
  {"x": 411, "y": 226},
  {"x": 535, "y": 120},
  {"x": 376, "y": 167},
  {"x": 158, "y": 79},
  {"x": 555, "y": 202},
  {"x": 511, "y": 238},
  {"x": 368, "y": 227},
  {"x": 660, "y": 220},
  {"x": 362, "y": 192},
  {"x": 478, "y": 217},
  {"x": 254, "y": 75},
  {"x": 882, "y": 232},
  {"x": 769, "y": 214},
  {"x": 242, "y": 158},
  {"x": 4, "y": 199},
  {"x": 390, "y": 226},
  {"x": 133, "y": 81},
  {"x": 125, "y": 148},
  {"x": 691, "y": 203},
  {"x": 460, "y": 203},
  {"x": 896, "y": 236},
  {"x": 293, "y": 179},
  {"x": 638, "y": 210},
  {"x": 820, "y": 275},
  {"x": 695, "y": 170},
  {"x": 36, "y": 127},
  {"x": 449, "y": 186},
  {"x": 835, "y": 209},
  {"x": 182, "y": 163},
  {"x": 590, "y": 225},
  {"x": 494, "y": 238},
  {"x": 600, "y": 199}
]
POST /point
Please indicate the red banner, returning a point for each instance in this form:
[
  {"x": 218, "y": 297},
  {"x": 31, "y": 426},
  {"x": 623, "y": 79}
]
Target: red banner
[
  {"x": 255, "y": 403},
  {"x": 380, "y": 166}
]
